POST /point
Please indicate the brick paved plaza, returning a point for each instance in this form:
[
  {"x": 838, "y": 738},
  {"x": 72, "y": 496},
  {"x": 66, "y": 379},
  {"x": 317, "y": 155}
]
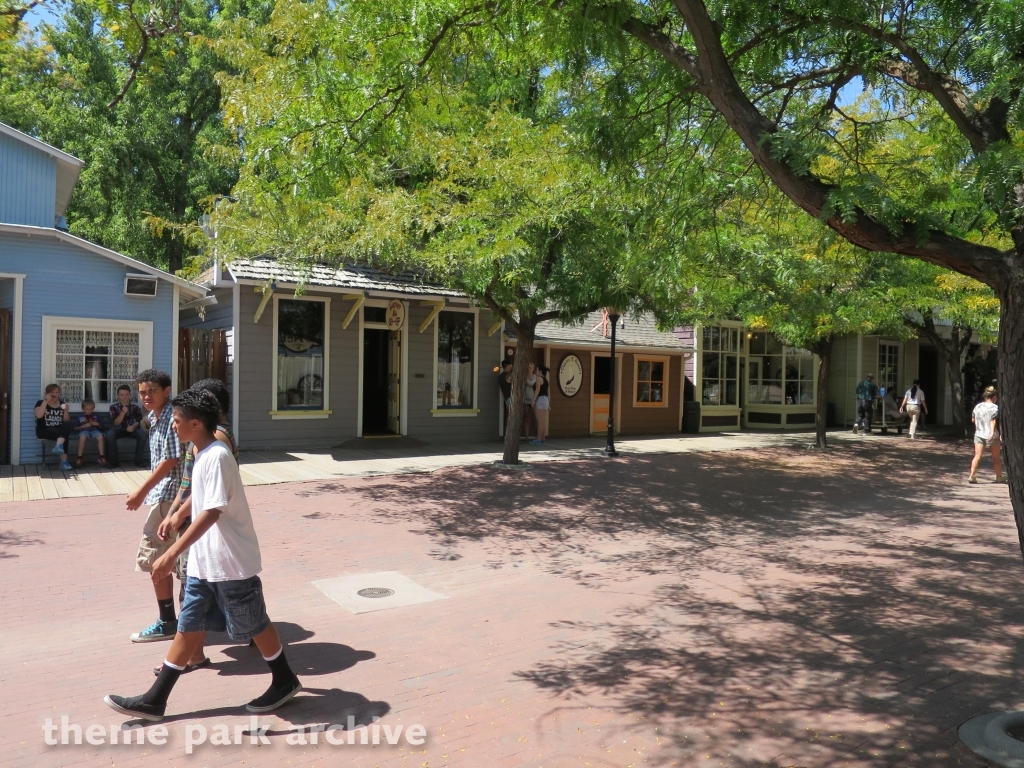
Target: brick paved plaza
[{"x": 777, "y": 608}]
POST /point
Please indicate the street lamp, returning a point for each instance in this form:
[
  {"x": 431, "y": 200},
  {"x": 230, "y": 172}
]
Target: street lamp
[{"x": 609, "y": 449}]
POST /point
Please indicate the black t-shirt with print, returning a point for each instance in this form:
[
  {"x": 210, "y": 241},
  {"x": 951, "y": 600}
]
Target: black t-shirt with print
[{"x": 52, "y": 417}]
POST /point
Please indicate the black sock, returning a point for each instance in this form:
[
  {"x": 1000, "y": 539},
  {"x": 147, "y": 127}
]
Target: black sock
[
  {"x": 279, "y": 668},
  {"x": 157, "y": 695},
  {"x": 167, "y": 609}
]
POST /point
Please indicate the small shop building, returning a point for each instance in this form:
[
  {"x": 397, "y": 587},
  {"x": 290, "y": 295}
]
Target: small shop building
[
  {"x": 653, "y": 375},
  {"x": 71, "y": 312},
  {"x": 316, "y": 359}
]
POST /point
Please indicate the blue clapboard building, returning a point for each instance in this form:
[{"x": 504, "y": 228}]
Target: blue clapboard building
[{"x": 71, "y": 312}]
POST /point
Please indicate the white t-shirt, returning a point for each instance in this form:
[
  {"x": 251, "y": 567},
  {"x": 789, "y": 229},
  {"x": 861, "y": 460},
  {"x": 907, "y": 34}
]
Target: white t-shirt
[
  {"x": 911, "y": 400},
  {"x": 984, "y": 412},
  {"x": 229, "y": 550}
]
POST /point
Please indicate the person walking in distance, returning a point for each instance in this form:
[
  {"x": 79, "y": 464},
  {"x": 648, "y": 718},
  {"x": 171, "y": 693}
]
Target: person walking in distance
[
  {"x": 542, "y": 404},
  {"x": 986, "y": 434},
  {"x": 913, "y": 405},
  {"x": 867, "y": 393}
]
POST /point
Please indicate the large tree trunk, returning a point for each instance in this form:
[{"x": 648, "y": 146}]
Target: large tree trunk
[
  {"x": 524, "y": 354},
  {"x": 955, "y": 374},
  {"x": 952, "y": 349},
  {"x": 1011, "y": 392},
  {"x": 823, "y": 349}
]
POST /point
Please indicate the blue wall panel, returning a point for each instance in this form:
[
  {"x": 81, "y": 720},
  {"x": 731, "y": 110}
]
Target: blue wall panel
[
  {"x": 28, "y": 184},
  {"x": 69, "y": 281}
]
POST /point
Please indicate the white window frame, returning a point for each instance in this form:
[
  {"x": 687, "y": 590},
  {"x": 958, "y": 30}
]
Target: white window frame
[
  {"x": 319, "y": 413},
  {"x": 458, "y": 412},
  {"x": 722, "y": 408},
  {"x": 785, "y": 380},
  {"x": 53, "y": 323},
  {"x": 637, "y": 357}
]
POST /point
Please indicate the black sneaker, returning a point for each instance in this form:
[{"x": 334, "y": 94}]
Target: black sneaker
[
  {"x": 274, "y": 697},
  {"x": 133, "y": 706}
]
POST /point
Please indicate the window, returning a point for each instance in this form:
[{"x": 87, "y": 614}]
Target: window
[
  {"x": 93, "y": 364},
  {"x": 91, "y": 358},
  {"x": 720, "y": 366},
  {"x": 375, "y": 314},
  {"x": 651, "y": 375},
  {"x": 456, "y": 338},
  {"x": 778, "y": 375},
  {"x": 888, "y": 366},
  {"x": 301, "y": 354}
]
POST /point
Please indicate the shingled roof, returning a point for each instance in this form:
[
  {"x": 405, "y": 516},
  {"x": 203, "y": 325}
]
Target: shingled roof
[
  {"x": 632, "y": 332},
  {"x": 357, "y": 277}
]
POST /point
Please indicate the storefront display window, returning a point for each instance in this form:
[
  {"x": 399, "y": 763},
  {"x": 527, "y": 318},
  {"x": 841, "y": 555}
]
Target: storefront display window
[
  {"x": 720, "y": 364},
  {"x": 778, "y": 375},
  {"x": 455, "y": 341},
  {"x": 300, "y": 355},
  {"x": 888, "y": 366}
]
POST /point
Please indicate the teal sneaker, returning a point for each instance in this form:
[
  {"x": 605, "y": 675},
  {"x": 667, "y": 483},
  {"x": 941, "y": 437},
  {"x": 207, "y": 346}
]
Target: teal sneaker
[
  {"x": 58, "y": 448},
  {"x": 158, "y": 630},
  {"x": 66, "y": 466}
]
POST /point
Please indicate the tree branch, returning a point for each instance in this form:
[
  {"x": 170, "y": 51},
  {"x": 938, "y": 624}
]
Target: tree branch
[{"x": 717, "y": 82}]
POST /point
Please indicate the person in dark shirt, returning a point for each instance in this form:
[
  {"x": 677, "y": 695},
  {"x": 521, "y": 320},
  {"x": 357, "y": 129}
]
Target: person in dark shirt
[
  {"x": 867, "y": 393},
  {"x": 505, "y": 385},
  {"x": 126, "y": 417},
  {"x": 53, "y": 422}
]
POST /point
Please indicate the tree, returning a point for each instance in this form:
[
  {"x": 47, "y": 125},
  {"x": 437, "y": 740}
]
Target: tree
[
  {"x": 481, "y": 198},
  {"x": 968, "y": 307},
  {"x": 637, "y": 75},
  {"x": 142, "y": 112}
]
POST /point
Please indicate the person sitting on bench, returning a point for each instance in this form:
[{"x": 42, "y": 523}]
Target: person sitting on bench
[
  {"x": 53, "y": 422},
  {"x": 127, "y": 422},
  {"x": 88, "y": 425}
]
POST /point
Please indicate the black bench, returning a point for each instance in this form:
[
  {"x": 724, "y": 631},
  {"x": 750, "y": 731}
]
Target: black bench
[{"x": 91, "y": 451}]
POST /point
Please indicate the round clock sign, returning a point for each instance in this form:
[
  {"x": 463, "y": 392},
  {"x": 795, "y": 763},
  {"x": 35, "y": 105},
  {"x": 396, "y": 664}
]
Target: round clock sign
[{"x": 570, "y": 375}]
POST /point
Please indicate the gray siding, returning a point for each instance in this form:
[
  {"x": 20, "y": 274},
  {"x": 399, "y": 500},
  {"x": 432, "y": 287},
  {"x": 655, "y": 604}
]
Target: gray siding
[
  {"x": 842, "y": 379},
  {"x": 254, "y": 361},
  {"x": 440, "y": 429},
  {"x": 258, "y": 430},
  {"x": 28, "y": 184}
]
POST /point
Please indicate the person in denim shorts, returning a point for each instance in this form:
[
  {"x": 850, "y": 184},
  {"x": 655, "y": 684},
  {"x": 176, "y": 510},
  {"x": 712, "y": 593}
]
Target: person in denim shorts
[{"x": 222, "y": 590}]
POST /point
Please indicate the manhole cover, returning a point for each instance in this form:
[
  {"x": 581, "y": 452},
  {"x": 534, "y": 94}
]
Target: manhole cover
[{"x": 375, "y": 592}]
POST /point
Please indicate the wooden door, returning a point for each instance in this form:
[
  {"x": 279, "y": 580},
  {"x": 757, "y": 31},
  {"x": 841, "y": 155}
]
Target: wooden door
[
  {"x": 395, "y": 382},
  {"x": 5, "y": 386}
]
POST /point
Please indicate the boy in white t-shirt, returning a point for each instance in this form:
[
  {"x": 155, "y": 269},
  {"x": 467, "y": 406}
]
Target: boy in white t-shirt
[
  {"x": 986, "y": 433},
  {"x": 222, "y": 590}
]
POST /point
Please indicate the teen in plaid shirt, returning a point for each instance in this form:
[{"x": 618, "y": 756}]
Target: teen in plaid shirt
[{"x": 157, "y": 493}]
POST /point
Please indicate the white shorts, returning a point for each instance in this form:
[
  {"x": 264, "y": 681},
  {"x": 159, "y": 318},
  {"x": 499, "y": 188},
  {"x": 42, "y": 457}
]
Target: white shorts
[{"x": 542, "y": 403}]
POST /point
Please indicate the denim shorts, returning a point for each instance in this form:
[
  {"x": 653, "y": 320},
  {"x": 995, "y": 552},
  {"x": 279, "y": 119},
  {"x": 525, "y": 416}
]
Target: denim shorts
[
  {"x": 90, "y": 433},
  {"x": 213, "y": 606}
]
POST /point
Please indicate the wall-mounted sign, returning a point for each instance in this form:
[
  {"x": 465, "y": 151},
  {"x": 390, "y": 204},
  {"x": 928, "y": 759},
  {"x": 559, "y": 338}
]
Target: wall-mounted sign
[
  {"x": 570, "y": 375},
  {"x": 396, "y": 315}
]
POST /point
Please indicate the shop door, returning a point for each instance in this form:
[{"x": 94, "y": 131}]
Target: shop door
[
  {"x": 5, "y": 386},
  {"x": 395, "y": 382},
  {"x": 602, "y": 391}
]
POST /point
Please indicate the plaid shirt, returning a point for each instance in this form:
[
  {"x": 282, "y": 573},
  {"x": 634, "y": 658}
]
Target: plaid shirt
[
  {"x": 134, "y": 415},
  {"x": 163, "y": 445}
]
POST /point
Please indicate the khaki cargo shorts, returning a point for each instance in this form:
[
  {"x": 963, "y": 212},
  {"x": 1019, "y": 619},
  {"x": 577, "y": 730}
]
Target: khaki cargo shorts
[{"x": 151, "y": 547}]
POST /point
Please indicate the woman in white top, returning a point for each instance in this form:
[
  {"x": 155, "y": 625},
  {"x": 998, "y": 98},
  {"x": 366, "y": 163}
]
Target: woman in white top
[
  {"x": 986, "y": 433},
  {"x": 913, "y": 403}
]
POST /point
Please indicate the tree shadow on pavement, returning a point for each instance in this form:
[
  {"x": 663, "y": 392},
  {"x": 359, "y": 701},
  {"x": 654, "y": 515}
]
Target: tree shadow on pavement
[{"x": 861, "y": 602}]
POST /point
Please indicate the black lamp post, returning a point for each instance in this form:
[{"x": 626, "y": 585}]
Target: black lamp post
[{"x": 609, "y": 449}]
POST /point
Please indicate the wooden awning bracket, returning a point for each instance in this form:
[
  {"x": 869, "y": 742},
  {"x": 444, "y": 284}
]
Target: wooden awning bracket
[
  {"x": 359, "y": 299},
  {"x": 437, "y": 307},
  {"x": 267, "y": 291},
  {"x": 494, "y": 328}
]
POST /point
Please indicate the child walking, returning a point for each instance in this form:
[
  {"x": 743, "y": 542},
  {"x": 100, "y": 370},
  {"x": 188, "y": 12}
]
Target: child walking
[
  {"x": 157, "y": 493},
  {"x": 222, "y": 590},
  {"x": 88, "y": 425}
]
